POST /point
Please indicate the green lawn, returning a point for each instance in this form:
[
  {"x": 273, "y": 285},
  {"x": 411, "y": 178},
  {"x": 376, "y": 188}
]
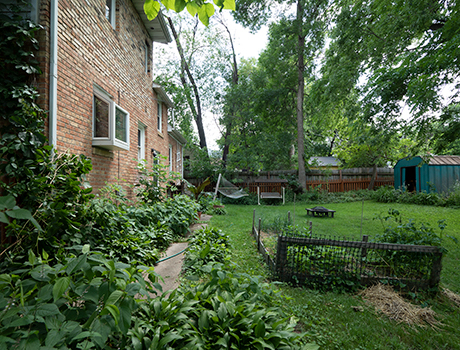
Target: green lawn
[{"x": 328, "y": 318}]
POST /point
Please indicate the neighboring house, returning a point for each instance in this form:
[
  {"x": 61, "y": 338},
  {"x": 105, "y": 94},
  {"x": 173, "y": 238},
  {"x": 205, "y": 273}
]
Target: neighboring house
[
  {"x": 320, "y": 163},
  {"x": 96, "y": 58},
  {"x": 435, "y": 174}
]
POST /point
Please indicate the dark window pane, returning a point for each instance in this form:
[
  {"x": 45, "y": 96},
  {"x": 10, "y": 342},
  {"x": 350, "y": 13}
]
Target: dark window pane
[
  {"x": 101, "y": 116},
  {"x": 121, "y": 125}
]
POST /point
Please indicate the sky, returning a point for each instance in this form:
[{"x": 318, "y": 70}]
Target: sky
[{"x": 247, "y": 45}]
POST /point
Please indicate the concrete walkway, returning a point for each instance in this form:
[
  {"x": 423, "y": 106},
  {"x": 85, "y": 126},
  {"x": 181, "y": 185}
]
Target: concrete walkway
[{"x": 170, "y": 269}]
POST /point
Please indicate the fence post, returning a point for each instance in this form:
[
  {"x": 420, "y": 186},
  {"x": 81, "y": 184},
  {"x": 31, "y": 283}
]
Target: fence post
[
  {"x": 253, "y": 221},
  {"x": 341, "y": 181},
  {"x": 289, "y": 217},
  {"x": 258, "y": 234},
  {"x": 311, "y": 228},
  {"x": 435, "y": 276},
  {"x": 364, "y": 250}
]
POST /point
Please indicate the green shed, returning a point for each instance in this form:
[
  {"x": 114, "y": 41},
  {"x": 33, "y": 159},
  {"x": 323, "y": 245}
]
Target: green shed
[{"x": 436, "y": 173}]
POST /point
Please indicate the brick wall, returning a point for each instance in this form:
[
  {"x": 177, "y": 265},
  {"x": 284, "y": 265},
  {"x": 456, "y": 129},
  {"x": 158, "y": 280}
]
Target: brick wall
[{"x": 91, "y": 52}]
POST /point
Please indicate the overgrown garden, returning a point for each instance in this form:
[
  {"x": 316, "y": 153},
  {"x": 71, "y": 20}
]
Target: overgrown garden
[{"x": 77, "y": 270}]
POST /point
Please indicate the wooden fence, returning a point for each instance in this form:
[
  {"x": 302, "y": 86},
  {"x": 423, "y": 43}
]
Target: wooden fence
[{"x": 338, "y": 180}]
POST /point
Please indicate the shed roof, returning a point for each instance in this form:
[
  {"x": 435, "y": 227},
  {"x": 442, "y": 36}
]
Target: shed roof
[
  {"x": 444, "y": 160},
  {"x": 323, "y": 161}
]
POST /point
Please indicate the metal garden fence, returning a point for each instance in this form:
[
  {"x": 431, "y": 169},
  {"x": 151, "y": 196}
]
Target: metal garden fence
[{"x": 312, "y": 260}]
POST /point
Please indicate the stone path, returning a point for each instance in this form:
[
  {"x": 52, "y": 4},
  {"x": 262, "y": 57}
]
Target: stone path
[{"x": 170, "y": 269}]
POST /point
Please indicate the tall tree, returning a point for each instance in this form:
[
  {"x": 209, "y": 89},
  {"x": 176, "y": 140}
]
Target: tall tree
[
  {"x": 397, "y": 53},
  {"x": 307, "y": 26},
  {"x": 193, "y": 73}
]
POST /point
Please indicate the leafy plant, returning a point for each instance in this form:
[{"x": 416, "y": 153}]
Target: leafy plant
[
  {"x": 408, "y": 263},
  {"x": 198, "y": 189},
  {"x": 83, "y": 301},
  {"x": 207, "y": 245},
  {"x": 230, "y": 311},
  {"x": 153, "y": 184}
]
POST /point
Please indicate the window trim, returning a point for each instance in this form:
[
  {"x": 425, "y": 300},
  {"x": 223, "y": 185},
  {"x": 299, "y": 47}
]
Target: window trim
[
  {"x": 110, "y": 142},
  {"x": 146, "y": 58},
  {"x": 160, "y": 116},
  {"x": 112, "y": 9},
  {"x": 170, "y": 158},
  {"x": 141, "y": 143}
]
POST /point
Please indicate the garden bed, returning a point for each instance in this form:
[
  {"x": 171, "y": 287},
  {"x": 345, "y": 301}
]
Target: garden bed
[{"x": 306, "y": 259}]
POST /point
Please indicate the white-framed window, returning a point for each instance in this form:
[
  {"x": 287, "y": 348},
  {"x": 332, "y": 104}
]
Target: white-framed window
[
  {"x": 170, "y": 159},
  {"x": 110, "y": 6},
  {"x": 141, "y": 143},
  {"x": 110, "y": 122},
  {"x": 160, "y": 116}
]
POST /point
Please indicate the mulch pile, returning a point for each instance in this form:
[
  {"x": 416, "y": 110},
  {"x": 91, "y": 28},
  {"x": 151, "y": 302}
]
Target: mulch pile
[
  {"x": 455, "y": 298},
  {"x": 390, "y": 303}
]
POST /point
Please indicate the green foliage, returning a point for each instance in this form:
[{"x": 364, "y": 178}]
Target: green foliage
[
  {"x": 136, "y": 233},
  {"x": 201, "y": 165},
  {"x": 408, "y": 264},
  {"x": 208, "y": 245},
  {"x": 408, "y": 233},
  {"x": 453, "y": 197},
  {"x": 153, "y": 184},
  {"x": 203, "y": 9},
  {"x": 82, "y": 301},
  {"x": 230, "y": 311},
  {"x": 388, "y": 194},
  {"x": 198, "y": 189},
  {"x": 52, "y": 187},
  {"x": 177, "y": 213}
]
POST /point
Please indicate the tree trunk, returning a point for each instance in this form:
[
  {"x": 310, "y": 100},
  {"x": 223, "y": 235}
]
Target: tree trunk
[
  {"x": 374, "y": 176},
  {"x": 228, "y": 128},
  {"x": 300, "y": 93},
  {"x": 196, "y": 111}
]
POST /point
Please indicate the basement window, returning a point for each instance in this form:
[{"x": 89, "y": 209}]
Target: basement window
[{"x": 110, "y": 123}]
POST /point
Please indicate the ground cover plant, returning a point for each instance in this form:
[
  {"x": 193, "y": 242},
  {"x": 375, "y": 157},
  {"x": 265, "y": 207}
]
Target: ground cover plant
[{"x": 345, "y": 321}]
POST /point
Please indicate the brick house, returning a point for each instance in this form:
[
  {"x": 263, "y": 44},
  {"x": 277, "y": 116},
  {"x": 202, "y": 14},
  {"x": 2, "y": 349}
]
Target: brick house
[{"x": 96, "y": 58}]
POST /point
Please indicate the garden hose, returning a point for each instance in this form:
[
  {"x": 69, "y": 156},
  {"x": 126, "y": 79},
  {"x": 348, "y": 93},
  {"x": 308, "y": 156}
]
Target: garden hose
[{"x": 172, "y": 256}]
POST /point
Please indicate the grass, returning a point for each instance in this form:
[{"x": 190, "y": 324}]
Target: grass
[{"x": 328, "y": 318}]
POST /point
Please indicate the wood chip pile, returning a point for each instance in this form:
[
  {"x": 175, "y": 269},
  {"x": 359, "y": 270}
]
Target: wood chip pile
[{"x": 390, "y": 303}]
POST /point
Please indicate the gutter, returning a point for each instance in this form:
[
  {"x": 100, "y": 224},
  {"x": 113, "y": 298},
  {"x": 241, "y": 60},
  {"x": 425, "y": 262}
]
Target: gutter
[{"x": 52, "y": 115}]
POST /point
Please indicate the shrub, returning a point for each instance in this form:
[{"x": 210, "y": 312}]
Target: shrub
[
  {"x": 82, "y": 301},
  {"x": 385, "y": 194},
  {"x": 230, "y": 311},
  {"x": 207, "y": 245},
  {"x": 407, "y": 263},
  {"x": 453, "y": 197}
]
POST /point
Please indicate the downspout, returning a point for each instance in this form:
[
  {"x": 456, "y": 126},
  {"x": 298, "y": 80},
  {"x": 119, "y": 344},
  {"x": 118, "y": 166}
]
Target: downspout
[{"x": 52, "y": 116}]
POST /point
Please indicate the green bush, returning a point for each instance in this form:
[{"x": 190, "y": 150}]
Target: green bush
[
  {"x": 207, "y": 245},
  {"x": 177, "y": 213},
  {"x": 453, "y": 197},
  {"x": 230, "y": 311},
  {"x": 410, "y": 264},
  {"x": 84, "y": 301}
]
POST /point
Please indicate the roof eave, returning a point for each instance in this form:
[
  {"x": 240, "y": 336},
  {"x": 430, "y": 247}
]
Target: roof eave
[
  {"x": 156, "y": 28},
  {"x": 163, "y": 96}
]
